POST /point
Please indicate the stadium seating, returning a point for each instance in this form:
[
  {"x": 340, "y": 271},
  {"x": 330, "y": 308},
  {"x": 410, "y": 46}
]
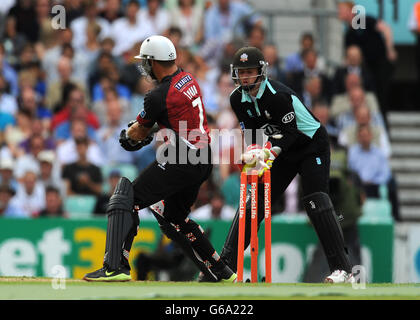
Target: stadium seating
[{"x": 80, "y": 206}]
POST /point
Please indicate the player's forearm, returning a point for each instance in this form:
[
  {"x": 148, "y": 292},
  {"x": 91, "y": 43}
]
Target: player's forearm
[{"x": 137, "y": 132}]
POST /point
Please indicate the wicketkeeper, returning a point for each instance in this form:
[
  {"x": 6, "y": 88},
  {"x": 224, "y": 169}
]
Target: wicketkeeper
[{"x": 297, "y": 144}]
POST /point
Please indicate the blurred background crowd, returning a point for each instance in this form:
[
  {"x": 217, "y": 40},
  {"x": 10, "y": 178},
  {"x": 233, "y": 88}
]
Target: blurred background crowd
[{"x": 65, "y": 95}]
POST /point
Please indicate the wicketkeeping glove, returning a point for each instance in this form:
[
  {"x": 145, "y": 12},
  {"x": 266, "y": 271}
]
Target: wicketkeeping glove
[{"x": 267, "y": 156}]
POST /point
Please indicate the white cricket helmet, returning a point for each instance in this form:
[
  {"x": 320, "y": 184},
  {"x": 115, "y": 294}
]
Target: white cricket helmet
[{"x": 155, "y": 48}]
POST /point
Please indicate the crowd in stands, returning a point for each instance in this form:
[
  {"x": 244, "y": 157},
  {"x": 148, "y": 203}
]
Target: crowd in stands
[{"x": 65, "y": 95}]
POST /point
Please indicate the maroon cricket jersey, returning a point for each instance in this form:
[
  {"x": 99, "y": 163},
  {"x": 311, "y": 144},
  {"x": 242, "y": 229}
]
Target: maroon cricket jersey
[{"x": 177, "y": 104}]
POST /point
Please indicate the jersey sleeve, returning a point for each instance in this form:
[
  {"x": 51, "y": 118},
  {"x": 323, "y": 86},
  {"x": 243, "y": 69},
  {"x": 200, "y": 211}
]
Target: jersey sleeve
[{"x": 153, "y": 107}]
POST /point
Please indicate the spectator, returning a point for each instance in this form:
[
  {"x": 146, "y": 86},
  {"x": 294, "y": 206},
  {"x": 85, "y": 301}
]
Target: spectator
[
  {"x": 28, "y": 159},
  {"x": 109, "y": 134},
  {"x": 353, "y": 64},
  {"x": 8, "y": 208},
  {"x": 78, "y": 25},
  {"x": 55, "y": 91},
  {"x": 111, "y": 11},
  {"x": 341, "y": 102},
  {"x": 357, "y": 99},
  {"x": 76, "y": 100},
  {"x": 143, "y": 86},
  {"x": 30, "y": 194},
  {"x": 348, "y": 136},
  {"x": 13, "y": 41},
  {"x": 274, "y": 70},
  {"x": 67, "y": 151},
  {"x": 9, "y": 74},
  {"x": 51, "y": 56},
  {"x": 50, "y": 171},
  {"x": 7, "y": 101},
  {"x": 219, "y": 101},
  {"x": 37, "y": 129},
  {"x": 103, "y": 199},
  {"x": 80, "y": 113},
  {"x": 377, "y": 45},
  {"x": 6, "y": 172},
  {"x": 26, "y": 19},
  {"x": 294, "y": 62},
  {"x": 222, "y": 17},
  {"x": 53, "y": 204},
  {"x": 92, "y": 46},
  {"x": 298, "y": 79},
  {"x": 111, "y": 96},
  {"x": 27, "y": 58},
  {"x": 322, "y": 112},
  {"x": 154, "y": 16},
  {"x": 129, "y": 30},
  {"x": 312, "y": 91},
  {"x": 82, "y": 176},
  {"x": 129, "y": 71},
  {"x": 110, "y": 79},
  {"x": 188, "y": 16},
  {"x": 256, "y": 37},
  {"x": 6, "y": 119},
  {"x": 80, "y": 64},
  {"x": 74, "y": 10},
  {"x": 368, "y": 161},
  {"x": 29, "y": 101},
  {"x": 215, "y": 210},
  {"x": 46, "y": 31},
  {"x": 14, "y": 135}
]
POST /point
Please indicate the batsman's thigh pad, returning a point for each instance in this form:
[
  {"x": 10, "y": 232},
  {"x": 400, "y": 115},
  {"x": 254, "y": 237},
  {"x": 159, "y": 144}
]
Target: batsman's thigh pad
[
  {"x": 321, "y": 212},
  {"x": 121, "y": 221}
]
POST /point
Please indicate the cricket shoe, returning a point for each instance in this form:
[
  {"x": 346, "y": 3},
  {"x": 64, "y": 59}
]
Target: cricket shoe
[
  {"x": 340, "y": 276},
  {"x": 103, "y": 274}
]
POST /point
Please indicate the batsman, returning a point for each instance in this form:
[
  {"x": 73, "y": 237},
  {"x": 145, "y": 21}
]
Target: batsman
[
  {"x": 169, "y": 187},
  {"x": 296, "y": 143}
]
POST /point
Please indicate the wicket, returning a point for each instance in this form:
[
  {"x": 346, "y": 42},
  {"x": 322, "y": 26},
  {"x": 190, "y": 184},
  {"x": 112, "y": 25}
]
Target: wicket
[{"x": 253, "y": 180}]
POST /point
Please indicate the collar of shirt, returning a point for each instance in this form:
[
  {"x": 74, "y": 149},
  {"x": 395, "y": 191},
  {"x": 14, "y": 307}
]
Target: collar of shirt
[
  {"x": 247, "y": 98},
  {"x": 166, "y": 78}
]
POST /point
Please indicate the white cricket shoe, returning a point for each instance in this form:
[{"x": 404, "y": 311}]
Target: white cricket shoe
[{"x": 339, "y": 276}]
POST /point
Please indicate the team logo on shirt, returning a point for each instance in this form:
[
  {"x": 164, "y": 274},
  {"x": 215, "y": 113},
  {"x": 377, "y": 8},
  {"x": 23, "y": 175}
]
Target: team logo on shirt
[
  {"x": 288, "y": 117},
  {"x": 142, "y": 114}
]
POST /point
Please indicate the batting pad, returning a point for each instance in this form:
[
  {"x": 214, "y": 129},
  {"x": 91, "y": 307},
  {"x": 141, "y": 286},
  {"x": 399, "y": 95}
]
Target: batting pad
[
  {"x": 322, "y": 215},
  {"x": 120, "y": 222}
]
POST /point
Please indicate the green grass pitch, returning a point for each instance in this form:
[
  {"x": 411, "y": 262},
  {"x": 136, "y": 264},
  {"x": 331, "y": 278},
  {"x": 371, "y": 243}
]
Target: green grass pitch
[{"x": 26, "y": 288}]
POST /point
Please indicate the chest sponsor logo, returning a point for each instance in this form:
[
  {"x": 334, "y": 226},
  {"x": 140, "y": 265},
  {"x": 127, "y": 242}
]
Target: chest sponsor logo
[
  {"x": 191, "y": 92},
  {"x": 182, "y": 82},
  {"x": 271, "y": 129},
  {"x": 288, "y": 117}
]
